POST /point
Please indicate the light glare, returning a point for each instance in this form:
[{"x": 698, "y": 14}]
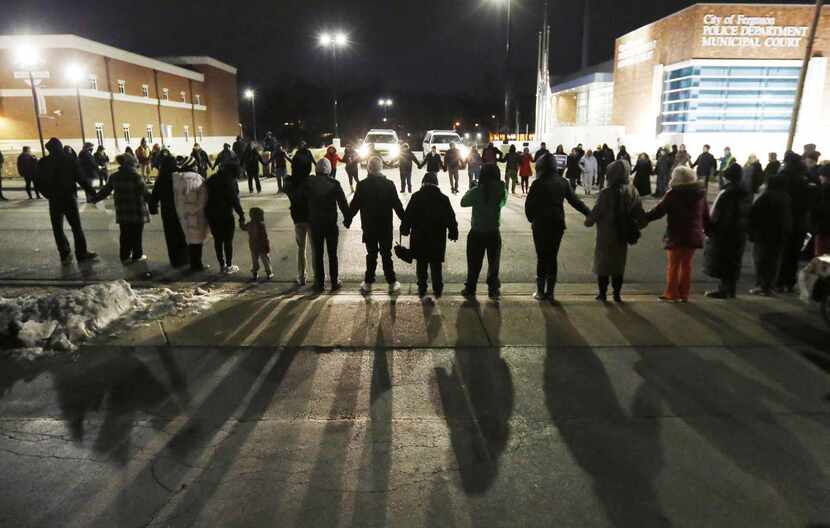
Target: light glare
[
  {"x": 74, "y": 73},
  {"x": 27, "y": 56},
  {"x": 249, "y": 94},
  {"x": 325, "y": 39}
]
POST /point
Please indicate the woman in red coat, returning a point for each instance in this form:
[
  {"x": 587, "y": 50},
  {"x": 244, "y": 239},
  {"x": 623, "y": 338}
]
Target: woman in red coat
[
  {"x": 333, "y": 157},
  {"x": 687, "y": 214},
  {"x": 525, "y": 169}
]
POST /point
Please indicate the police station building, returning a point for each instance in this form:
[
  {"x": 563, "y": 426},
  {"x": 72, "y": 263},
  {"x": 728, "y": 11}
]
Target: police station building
[{"x": 723, "y": 74}]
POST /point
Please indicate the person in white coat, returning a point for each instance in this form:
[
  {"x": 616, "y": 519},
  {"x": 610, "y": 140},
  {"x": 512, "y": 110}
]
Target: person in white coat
[
  {"x": 191, "y": 195},
  {"x": 590, "y": 170}
]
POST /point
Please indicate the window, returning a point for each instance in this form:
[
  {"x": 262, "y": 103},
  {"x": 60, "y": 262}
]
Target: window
[
  {"x": 186, "y": 134},
  {"x": 165, "y": 94},
  {"x": 125, "y": 128},
  {"x": 167, "y": 131},
  {"x": 145, "y": 90},
  {"x": 93, "y": 83},
  {"x": 122, "y": 86},
  {"x": 198, "y": 99},
  {"x": 99, "y": 133},
  {"x": 200, "y": 134},
  {"x": 183, "y": 95},
  {"x": 149, "y": 133}
]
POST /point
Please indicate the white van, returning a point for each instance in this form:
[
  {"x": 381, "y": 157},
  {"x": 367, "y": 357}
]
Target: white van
[
  {"x": 380, "y": 142},
  {"x": 441, "y": 139}
]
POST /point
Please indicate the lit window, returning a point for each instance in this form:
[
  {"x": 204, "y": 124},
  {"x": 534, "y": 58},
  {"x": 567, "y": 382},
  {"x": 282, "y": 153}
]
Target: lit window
[
  {"x": 122, "y": 86},
  {"x": 198, "y": 99},
  {"x": 165, "y": 94},
  {"x": 183, "y": 95},
  {"x": 167, "y": 131},
  {"x": 200, "y": 134},
  {"x": 186, "y": 134},
  {"x": 93, "y": 83},
  {"x": 126, "y": 130},
  {"x": 149, "y": 135},
  {"x": 99, "y": 133},
  {"x": 145, "y": 90}
]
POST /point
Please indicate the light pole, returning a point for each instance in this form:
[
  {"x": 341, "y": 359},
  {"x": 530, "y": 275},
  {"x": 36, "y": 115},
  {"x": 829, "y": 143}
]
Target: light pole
[
  {"x": 75, "y": 74},
  {"x": 250, "y": 94},
  {"x": 334, "y": 41},
  {"x": 802, "y": 76},
  {"x": 385, "y": 104},
  {"x": 507, "y": 83},
  {"x": 28, "y": 58}
]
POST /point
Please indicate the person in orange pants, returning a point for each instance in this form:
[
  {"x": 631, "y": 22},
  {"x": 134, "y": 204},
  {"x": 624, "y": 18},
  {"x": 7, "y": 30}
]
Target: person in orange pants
[{"x": 687, "y": 216}]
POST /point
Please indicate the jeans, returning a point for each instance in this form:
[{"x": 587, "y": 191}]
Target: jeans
[
  {"x": 479, "y": 243},
  {"x": 352, "y": 173},
  {"x": 254, "y": 176},
  {"x": 374, "y": 245},
  {"x": 130, "y": 241},
  {"x": 453, "y": 179},
  {"x": 547, "y": 240},
  {"x": 256, "y": 258},
  {"x": 510, "y": 176},
  {"x": 325, "y": 237},
  {"x": 423, "y": 268},
  {"x": 69, "y": 210},
  {"x": 473, "y": 174},
  {"x": 279, "y": 174},
  {"x": 406, "y": 179},
  {"x": 679, "y": 273},
  {"x": 302, "y": 234},
  {"x": 30, "y": 185},
  {"x": 525, "y": 184}
]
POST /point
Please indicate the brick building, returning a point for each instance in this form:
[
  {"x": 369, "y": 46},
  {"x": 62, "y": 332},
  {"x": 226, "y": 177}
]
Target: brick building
[
  {"x": 723, "y": 74},
  {"x": 122, "y": 96}
]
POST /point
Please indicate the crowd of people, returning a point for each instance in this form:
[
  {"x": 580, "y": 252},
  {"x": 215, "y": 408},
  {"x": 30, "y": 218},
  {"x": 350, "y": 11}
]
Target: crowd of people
[{"x": 775, "y": 207}]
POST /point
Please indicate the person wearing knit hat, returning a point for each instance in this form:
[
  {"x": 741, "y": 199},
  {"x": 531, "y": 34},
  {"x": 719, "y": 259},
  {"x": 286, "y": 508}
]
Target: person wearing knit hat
[
  {"x": 727, "y": 230},
  {"x": 618, "y": 208},
  {"x": 325, "y": 196},
  {"x": 191, "y": 196},
  {"x": 429, "y": 220},
  {"x": 687, "y": 215}
]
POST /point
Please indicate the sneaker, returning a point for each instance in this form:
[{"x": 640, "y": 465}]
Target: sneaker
[
  {"x": 617, "y": 298},
  {"x": 467, "y": 292},
  {"x": 601, "y": 298},
  {"x": 90, "y": 255},
  {"x": 269, "y": 275},
  {"x": 300, "y": 281},
  {"x": 142, "y": 258},
  {"x": 395, "y": 287},
  {"x": 539, "y": 296},
  {"x": 667, "y": 299},
  {"x": 716, "y": 294},
  {"x": 760, "y": 292},
  {"x": 230, "y": 270},
  {"x": 365, "y": 287},
  {"x": 337, "y": 286},
  {"x": 494, "y": 294}
]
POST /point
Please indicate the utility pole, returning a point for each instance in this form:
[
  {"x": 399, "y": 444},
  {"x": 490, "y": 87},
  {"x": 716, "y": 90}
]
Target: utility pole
[
  {"x": 802, "y": 77},
  {"x": 507, "y": 80},
  {"x": 37, "y": 113}
]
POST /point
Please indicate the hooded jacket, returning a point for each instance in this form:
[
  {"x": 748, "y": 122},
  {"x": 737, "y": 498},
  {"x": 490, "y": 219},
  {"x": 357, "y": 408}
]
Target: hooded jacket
[
  {"x": 727, "y": 230},
  {"x": 223, "y": 194},
  {"x": 58, "y": 175},
  {"x": 27, "y": 165},
  {"x": 771, "y": 218},
  {"x": 429, "y": 219},
  {"x": 544, "y": 207},
  {"x": 130, "y": 195},
  {"x": 325, "y": 195},
  {"x": 433, "y": 162},
  {"x": 687, "y": 216},
  {"x": 302, "y": 163},
  {"x": 375, "y": 198}
]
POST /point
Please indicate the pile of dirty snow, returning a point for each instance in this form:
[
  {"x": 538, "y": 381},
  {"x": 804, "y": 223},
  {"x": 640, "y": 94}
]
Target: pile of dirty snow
[{"x": 32, "y": 325}]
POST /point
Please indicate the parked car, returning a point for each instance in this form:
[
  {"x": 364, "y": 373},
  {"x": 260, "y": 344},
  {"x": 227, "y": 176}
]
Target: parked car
[
  {"x": 441, "y": 139},
  {"x": 380, "y": 142},
  {"x": 814, "y": 282}
]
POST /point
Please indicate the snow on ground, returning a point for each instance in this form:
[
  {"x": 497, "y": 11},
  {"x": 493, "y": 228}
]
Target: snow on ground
[{"x": 33, "y": 326}]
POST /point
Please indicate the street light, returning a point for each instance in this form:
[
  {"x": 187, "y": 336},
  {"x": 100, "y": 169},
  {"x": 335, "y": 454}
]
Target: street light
[
  {"x": 385, "y": 104},
  {"x": 28, "y": 58},
  {"x": 334, "y": 41},
  {"x": 250, "y": 94},
  {"x": 75, "y": 74},
  {"x": 506, "y": 64}
]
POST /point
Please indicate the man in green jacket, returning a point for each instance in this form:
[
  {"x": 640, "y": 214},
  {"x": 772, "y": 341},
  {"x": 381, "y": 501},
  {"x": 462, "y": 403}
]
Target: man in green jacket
[{"x": 487, "y": 200}]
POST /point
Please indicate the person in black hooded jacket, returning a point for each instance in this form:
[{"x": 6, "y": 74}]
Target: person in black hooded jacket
[
  {"x": 770, "y": 226},
  {"x": 58, "y": 177},
  {"x": 545, "y": 211},
  {"x": 728, "y": 223},
  {"x": 177, "y": 250},
  {"x": 795, "y": 173},
  {"x": 223, "y": 202}
]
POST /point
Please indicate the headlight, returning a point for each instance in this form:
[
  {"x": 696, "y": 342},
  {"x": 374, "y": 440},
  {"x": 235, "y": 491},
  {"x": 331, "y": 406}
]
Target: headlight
[
  {"x": 363, "y": 151},
  {"x": 464, "y": 152},
  {"x": 394, "y": 151}
]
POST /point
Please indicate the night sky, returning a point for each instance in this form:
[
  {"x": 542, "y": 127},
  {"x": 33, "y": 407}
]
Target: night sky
[{"x": 397, "y": 47}]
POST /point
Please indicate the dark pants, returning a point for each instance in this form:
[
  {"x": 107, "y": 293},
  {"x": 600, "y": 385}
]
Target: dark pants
[
  {"x": 767, "y": 259},
  {"x": 69, "y": 210},
  {"x": 425, "y": 267},
  {"x": 195, "y": 251},
  {"x": 352, "y": 173},
  {"x": 383, "y": 245},
  {"x": 406, "y": 179},
  {"x": 601, "y": 179},
  {"x": 788, "y": 275},
  {"x": 728, "y": 286},
  {"x": 616, "y": 282},
  {"x": 279, "y": 174},
  {"x": 131, "y": 241},
  {"x": 102, "y": 178},
  {"x": 30, "y": 185},
  {"x": 254, "y": 176},
  {"x": 334, "y": 172},
  {"x": 547, "y": 241},
  {"x": 222, "y": 231},
  {"x": 325, "y": 236},
  {"x": 479, "y": 243},
  {"x": 453, "y": 179}
]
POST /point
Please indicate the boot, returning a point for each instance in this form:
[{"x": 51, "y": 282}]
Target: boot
[{"x": 539, "y": 295}]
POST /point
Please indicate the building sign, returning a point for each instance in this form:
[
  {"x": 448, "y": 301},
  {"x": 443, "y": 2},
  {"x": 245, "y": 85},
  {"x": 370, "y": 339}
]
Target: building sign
[
  {"x": 631, "y": 53},
  {"x": 741, "y": 31},
  {"x": 35, "y": 75}
]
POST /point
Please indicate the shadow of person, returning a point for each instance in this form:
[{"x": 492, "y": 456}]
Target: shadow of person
[
  {"x": 477, "y": 399},
  {"x": 619, "y": 449}
]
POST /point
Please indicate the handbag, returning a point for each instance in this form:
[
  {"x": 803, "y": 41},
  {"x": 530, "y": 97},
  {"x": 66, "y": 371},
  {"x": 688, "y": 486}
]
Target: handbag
[{"x": 404, "y": 253}]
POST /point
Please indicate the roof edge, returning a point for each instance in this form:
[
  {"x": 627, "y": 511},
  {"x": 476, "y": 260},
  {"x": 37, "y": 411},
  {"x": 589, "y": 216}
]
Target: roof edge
[{"x": 185, "y": 60}]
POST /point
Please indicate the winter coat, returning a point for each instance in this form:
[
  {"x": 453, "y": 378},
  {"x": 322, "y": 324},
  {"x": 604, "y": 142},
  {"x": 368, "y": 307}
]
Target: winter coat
[
  {"x": 526, "y": 166},
  {"x": 102, "y": 161},
  {"x": 512, "y": 160},
  {"x": 375, "y": 198},
  {"x": 539, "y": 153},
  {"x": 616, "y": 207},
  {"x": 799, "y": 191},
  {"x": 433, "y": 162},
  {"x": 59, "y": 175},
  {"x": 223, "y": 196},
  {"x": 452, "y": 159},
  {"x": 325, "y": 195},
  {"x": 191, "y": 196},
  {"x": 253, "y": 160},
  {"x": 727, "y": 231},
  {"x": 258, "y": 240},
  {"x": 88, "y": 166},
  {"x": 623, "y": 155},
  {"x": 130, "y": 196},
  {"x": 302, "y": 163},
  {"x": 574, "y": 170},
  {"x": 705, "y": 165},
  {"x": 239, "y": 147},
  {"x": 225, "y": 156},
  {"x": 753, "y": 178},
  {"x": 681, "y": 158},
  {"x": 544, "y": 206},
  {"x": 333, "y": 157},
  {"x": 771, "y": 170},
  {"x": 27, "y": 166},
  {"x": 351, "y": 159},
  {"x": 428, "y": 220},
  {"x": 486, "y": 216},
  {"x": 491, "y": 154},
  {"x": 406, "y": 160},
  {"x": 202, "y": 160},
  {"x": 642, "y": 177},
  {"x": 687, "y": 216},
  {"x": 142, "y": 154},
  {"x": 589, "y": 167},
  {"x": 771, "y": 218},
  {"x": 297, "y": 191},
  {"x": 820, "y": 219},
  {"x": 474, "y": 162}
]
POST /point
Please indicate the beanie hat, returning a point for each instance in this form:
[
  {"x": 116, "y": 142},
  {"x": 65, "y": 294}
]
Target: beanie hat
[
  {"x": 682, "y": 175},
  {"x": 733, "y": 173},
  {"x": 323, "y": 167},
  {"x": 430, "y": 178},
  {"x": 545, "y": 165},
  {"x": 187, "y": 164},
  {"x": 617, "y": 173}
]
